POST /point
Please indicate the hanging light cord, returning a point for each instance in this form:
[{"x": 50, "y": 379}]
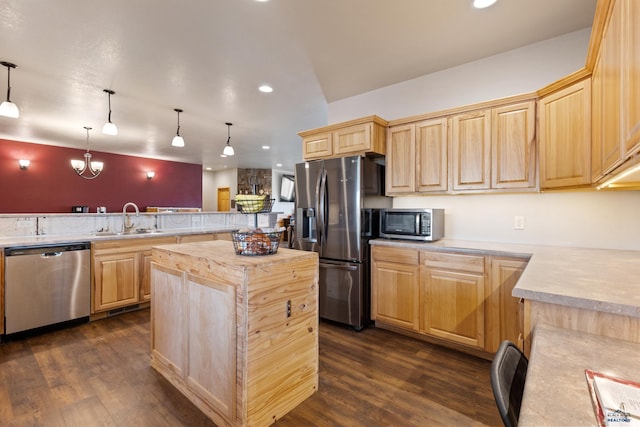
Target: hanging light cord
[
  {"x": 178, "y": 130},
  {"x": 88, "y": 129},
  {"x": 109, "y": 107},
  {"x": 9, "y": 83}
]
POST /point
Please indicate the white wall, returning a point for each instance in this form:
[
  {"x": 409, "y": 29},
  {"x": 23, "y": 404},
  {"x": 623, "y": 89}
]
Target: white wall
[
  {"x": 518, "y": 71},
  {"x": 211, "y": 181},
  {"x": 579, "y": 218}
]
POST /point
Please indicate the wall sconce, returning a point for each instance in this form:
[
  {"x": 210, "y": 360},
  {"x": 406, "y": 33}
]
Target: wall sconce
[
  {"x": 24, "y": 164},
  {"x": 150, "y": 174}
]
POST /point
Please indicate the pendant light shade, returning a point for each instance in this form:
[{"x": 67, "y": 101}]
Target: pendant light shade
[
  {"x": 178, "y": 141},
  {"x": 86, "y": 165},
  {"x": 109, "y": 128},
  {"x": 8, "y": 108},
  {"x": 228, "y": 149}
]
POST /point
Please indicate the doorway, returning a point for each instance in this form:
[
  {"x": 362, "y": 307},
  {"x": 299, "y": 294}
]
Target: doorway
[{"x": 224, "y": 199}]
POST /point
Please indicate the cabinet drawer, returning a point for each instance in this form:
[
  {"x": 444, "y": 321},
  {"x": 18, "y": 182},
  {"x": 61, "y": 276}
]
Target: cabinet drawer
[
  {"x": 458, "y": 262},
  {"x": 396, "y": 255}
]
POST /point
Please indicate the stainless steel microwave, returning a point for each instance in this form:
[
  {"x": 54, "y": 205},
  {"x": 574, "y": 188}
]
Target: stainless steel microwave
[{"x": 412, "y": 224}]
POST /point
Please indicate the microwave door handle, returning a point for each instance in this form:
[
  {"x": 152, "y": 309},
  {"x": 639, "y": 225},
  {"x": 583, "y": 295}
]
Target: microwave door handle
[
  {"x": 322, "y": 217},
  {"x": 417, "y": 229}
]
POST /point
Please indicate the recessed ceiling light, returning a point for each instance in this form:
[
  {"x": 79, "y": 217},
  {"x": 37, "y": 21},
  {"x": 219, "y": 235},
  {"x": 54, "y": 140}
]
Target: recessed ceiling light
[
  {"x": 265, "y": 147},
  {"x": 481, "y": 4},
  {"x": 279, "y": 165},
  {"x": 265, "y": 89},
  {"x": 208, "y": 168}
]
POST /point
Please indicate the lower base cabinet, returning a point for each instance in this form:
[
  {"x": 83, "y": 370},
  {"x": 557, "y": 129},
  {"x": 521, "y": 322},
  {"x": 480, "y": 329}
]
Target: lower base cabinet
[{"x": 455, "y": 298}]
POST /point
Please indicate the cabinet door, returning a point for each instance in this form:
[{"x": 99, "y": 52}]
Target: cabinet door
[
  {"x": 400, "y": 161},
  {"x": 471, "y": 149},
  {"x": 596, "y": 122},
  {"x": 631, "y": 74},
  {"x": 317, "y": 146},
  {"x": 513, "y": 149},
  {"x": 145, "y": 276},
  {"x": 116, "y": 281},
  {"x": 395, "y": 287},
  {"x": 431, "y": 155},
  {"x": 169, "y": 332},
  {"x": 453, "y": 306},
  {"x": 211, "y": 324},
  {"x": 565, "y": 136},
  {"x": 352, "y": 139},
  {"x": 504, "y": 312},
  {"x": 611, "y": 96}
]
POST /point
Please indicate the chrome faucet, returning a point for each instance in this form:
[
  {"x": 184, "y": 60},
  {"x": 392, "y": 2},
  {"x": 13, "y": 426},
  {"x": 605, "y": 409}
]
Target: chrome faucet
[{"x": 126, "y": 225}]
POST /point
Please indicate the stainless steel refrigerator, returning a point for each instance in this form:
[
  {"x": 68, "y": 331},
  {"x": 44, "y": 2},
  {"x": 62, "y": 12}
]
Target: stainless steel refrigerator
[{"x": 330, "y": 220}]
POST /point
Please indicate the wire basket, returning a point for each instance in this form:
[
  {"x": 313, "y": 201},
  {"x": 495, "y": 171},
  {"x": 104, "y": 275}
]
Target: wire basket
[
  {"x": 256, "y": 242},
  {"x": 253, "y": 206}
]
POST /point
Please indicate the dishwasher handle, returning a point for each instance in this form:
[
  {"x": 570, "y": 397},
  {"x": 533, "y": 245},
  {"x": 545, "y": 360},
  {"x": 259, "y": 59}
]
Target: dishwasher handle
[{"x": 50, "y": 254}]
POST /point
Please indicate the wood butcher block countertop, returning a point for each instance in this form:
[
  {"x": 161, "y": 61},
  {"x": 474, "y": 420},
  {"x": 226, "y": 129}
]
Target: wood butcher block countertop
[
  {"x": 603, "y": 280},
  {"x": 218, "y": 258}
]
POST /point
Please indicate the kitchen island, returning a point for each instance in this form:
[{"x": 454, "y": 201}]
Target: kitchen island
[{"x": 237, "y": 335}]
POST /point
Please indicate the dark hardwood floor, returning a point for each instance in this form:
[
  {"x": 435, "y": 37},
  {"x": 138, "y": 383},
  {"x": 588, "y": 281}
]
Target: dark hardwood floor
[{"x": 98, "y": 374}]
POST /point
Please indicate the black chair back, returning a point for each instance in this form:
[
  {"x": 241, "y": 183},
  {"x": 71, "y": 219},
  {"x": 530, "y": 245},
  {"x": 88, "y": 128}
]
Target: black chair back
[{"x": 508, "y": 374}]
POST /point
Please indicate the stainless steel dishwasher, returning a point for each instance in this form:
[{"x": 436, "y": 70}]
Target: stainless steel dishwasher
[{"x": 46, "y": 285}]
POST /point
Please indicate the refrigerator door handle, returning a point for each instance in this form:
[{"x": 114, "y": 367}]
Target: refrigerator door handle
[
  {"x": 322, "y": 214},
  {"x": 339, "y": 267}
]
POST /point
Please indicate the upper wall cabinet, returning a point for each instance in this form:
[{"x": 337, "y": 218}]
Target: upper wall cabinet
[
  {"x": 630, "y": 12},
  {"x": 488, "y": 149},
  {"x": 360, "y": 136},
  {"x": 565, "y": 136},
  {"x": 417, "y": 157}
]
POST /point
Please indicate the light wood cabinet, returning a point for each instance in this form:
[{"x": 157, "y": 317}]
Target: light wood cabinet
[
  {"x": 193, "y": 333},
  {"x": 359, "y": 136},
  {"x": 513, "y": 146},
  {"x": 630, "y": 12},
  {"x": 417, "y": 157},
  {"x": 493, "y": 148},
  {"x": 504, "y": 316},
  {"x": 456, "y": 298},
  {"x": 395, "y": 287},
  {"x": 239, "y": 340},
  {"x": 116, "y": 280},
  {"x": 471, "y": 150},
  {"x": 453, "y": 297},
  {"x": 317, "y": 146},
  {"x": 607, "y": 144},
  {"x": 121, "y": 272},
  {"x": 564, "y": 120}
]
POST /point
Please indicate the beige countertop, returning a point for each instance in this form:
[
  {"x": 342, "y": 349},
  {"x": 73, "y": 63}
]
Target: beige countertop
[
  {"x": 594, "y": 279},
  {"x": 6, "y": 242},
  {"x": 556, "y": 391}
]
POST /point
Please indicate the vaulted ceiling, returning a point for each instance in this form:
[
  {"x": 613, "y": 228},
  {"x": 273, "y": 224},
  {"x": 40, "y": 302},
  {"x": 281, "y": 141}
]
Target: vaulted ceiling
[{"x": 208, "y": 57}]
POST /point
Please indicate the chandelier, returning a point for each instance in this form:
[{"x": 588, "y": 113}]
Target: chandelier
[{"x": 86, "y": 165}]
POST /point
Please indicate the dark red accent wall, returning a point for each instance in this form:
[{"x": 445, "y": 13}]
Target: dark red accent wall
[{"x": 50, "y": 185}]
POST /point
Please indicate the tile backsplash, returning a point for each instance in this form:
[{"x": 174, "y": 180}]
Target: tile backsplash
[{"x": 57, "y": 224}]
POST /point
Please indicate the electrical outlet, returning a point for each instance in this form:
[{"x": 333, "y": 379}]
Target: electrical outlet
[{"x": 518, "y": 222}]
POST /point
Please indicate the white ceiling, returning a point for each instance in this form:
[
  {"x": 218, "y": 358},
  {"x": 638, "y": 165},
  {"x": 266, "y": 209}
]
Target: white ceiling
[{"x": 208, "y": 57}]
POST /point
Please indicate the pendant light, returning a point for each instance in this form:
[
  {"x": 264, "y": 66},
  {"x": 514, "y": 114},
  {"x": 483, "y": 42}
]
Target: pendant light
[
  {"x": 8, "y": 108},
  {"x": 228, "y": 149},
  {"x": 178, "y": 141},
  {"x": 109, "y": 127},
  {"x": 82, "y": 166}
]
